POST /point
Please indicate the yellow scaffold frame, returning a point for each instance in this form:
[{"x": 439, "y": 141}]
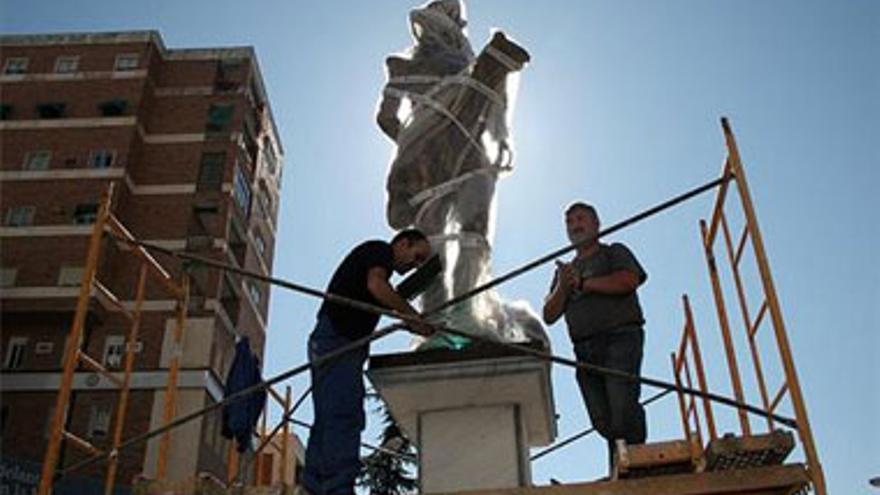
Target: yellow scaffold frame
[{"x": 90, "y": 287}]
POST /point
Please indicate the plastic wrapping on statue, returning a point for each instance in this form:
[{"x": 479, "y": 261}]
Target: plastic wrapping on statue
[{"x": 448, "y": 113}]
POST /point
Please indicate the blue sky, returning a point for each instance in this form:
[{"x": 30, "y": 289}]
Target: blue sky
[{"x": 620, "y": 107}]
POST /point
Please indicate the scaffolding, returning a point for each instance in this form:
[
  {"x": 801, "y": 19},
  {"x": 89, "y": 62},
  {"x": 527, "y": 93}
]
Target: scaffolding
[
  {"x": 235, "y": 465},
  {"x": 681, "y": 366},
  {"x": 686, "y": 361},
  {"x": 75, "y": 355},
  {"x": 689, "y": 349}
]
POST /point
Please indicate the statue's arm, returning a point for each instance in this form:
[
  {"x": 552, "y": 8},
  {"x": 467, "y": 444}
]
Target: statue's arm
[{"x": 386, "y": 117}]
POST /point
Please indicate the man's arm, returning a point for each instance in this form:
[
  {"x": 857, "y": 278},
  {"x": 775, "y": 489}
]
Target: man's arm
[
  {"x": 377, "y": 284},
  {"x": 563, "y": 282},
  {"x": 554, "y": 304},
  {"x": 386, "y": 117},
  {"x": 625, "y": 277},
  {"x": 615, "y": 283}
]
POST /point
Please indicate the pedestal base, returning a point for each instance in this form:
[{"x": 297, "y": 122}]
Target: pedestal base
[
  {"x": 472, "y": 448},
  {"x": 473, "y": 414}
]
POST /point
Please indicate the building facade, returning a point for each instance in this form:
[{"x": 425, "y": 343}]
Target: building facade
[{"x": 188, "y": 138}]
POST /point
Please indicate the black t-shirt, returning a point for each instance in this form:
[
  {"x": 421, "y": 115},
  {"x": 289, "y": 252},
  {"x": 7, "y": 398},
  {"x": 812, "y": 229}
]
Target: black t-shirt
[{"x": 350, "y": 280}]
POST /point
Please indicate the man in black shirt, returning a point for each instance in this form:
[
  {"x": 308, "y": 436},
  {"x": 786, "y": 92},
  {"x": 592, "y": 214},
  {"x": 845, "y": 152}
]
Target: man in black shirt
[
  {"x": 596, "y": 292},
  {"x": 332, "y": 456}
]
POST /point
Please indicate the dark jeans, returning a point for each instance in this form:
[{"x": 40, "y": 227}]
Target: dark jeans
[
  {"x": 332, "y": 455},
  {"x": 612, "y": 402}
]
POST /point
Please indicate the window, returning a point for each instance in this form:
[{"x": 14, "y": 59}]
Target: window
[
  {"x": 208, "y": 208},
  {"x": 260, "y": 243},
  {"x": 126, "y": 61},
  {"x": 219, "y": 117},
  {"x": 265, "y": 204},
  {"x": 15, "y": 353},
  {"x": 198, "y": 237},
  {"x": 229, "y": 298},
  {"x": 37, "y": 160},
  {"x": 20, "y": 216},
  {"x": 99, "y": 421},
  {"x": 114, "y": 349},
  {"x": 4, "y": 418},
  {"x": 15, "y": 65},
  {"x": 5, "y": 111},
  {"x": 211, "y": 171},
  {"x": 51, "y": 110},
  {"x": 7, "y": 276},
  {"x": 228, "y": 73},
  {"x": 112, "y": 108},
  {"x": 228, "y": 66},
  {"x": 254, "y": 292},
  {"x": 102, "y": 158},
  {"x": 242, "y": 191},
  {"x": 70, "y": 276},
  {"x": 66, "y": 65},
  {"x": 269, "y": 156},
  {"x": 85, "y": 213}
]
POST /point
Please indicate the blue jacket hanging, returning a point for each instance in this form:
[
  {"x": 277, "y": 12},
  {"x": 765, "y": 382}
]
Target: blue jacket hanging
[{"x": 240, "y": 416}]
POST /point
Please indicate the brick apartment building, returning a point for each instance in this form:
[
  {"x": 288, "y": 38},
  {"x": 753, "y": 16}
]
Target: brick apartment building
[{"x": 188, "y": 138}]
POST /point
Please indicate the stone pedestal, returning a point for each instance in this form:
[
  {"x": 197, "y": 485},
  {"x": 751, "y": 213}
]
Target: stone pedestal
[{"x": 473, "y": 413}]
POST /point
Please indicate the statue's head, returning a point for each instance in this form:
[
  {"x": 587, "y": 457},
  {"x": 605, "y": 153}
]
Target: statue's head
[
  {"x": 439, "y": 27},
  {"x": 453, "y": 9}
]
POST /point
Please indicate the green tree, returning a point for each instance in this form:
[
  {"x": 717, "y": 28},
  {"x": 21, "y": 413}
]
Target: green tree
[{"x": 388, "y": 471}]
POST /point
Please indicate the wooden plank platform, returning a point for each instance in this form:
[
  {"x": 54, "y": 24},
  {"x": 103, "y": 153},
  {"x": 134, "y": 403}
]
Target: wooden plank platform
[
  {"x": 655, "y": 459},
  {"x": 733, "y": 452},
  {"x": 769, "y": 480}
]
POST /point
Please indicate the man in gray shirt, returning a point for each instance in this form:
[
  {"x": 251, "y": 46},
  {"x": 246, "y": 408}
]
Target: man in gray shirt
[{"x": 596, "y": 291}]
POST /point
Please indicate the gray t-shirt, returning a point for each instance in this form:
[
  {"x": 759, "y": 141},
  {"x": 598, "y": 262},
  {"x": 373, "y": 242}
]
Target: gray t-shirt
[{"x": 588, "y": 314}]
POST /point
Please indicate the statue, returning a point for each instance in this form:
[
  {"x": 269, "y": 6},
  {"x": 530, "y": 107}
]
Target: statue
[{"x": 447, "y": 111}]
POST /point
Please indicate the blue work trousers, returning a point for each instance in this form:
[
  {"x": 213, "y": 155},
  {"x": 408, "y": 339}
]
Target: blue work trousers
[
  {"x": 333, "y": 452},
  {"x": 613, "y": 402}
]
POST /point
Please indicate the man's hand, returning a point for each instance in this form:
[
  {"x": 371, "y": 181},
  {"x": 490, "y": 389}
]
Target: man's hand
[
  {"x": 377, "y": 284},
  {"x": 423, "y": 329},
  {"x": 568, "y": 278},
  {"x": 565, "y": 280}
]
